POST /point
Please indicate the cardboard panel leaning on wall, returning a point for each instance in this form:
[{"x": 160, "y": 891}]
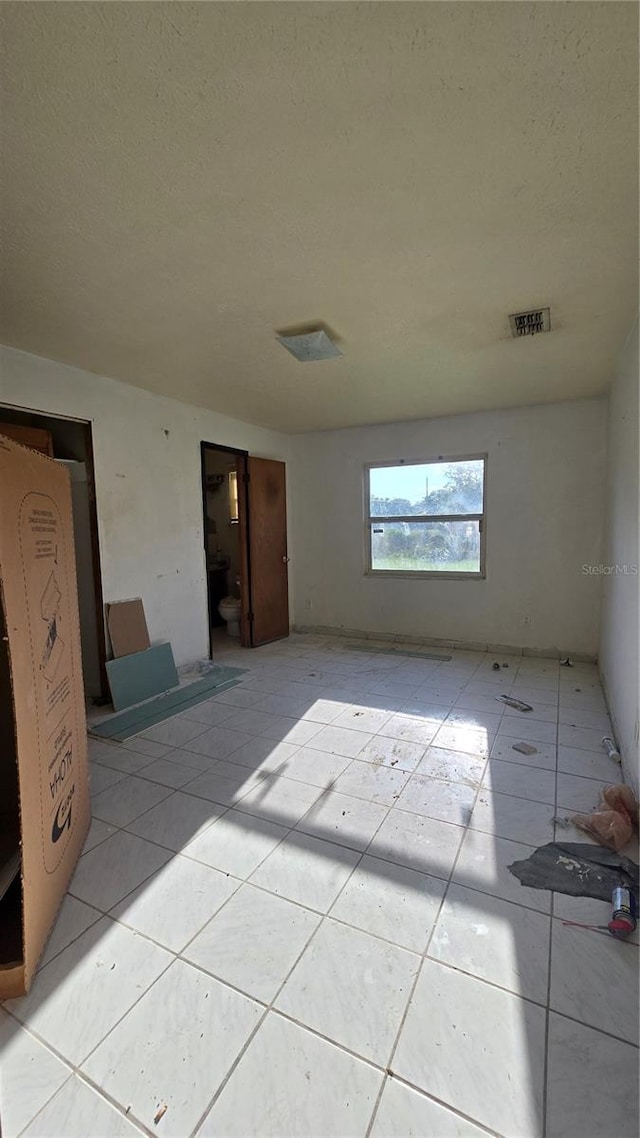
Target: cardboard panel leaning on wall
[
  {"x": 127, "y": 626},
  {"x": 46, "y": 698}
]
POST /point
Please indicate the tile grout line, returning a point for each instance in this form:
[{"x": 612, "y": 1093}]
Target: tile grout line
[
  {"x": 323, "y": 918},
  {"x": 107, "y": 912},
  {"x": 388, "y": 1069},
  {"x": 332, "y": 788},
  {"x": 432, "y": 1098},
  {"x": 232, "y": 1069},
  {"x": 70, "y": 1075},
  {"x": 306, "y": 1027},
  {"x": 238, "y": 709},
  {"x": 307, "y": 908},
  {"x": 271, "y": 1006},
  {"x": 281, "y": 823},
  {"x": 77, "y": 1067},
  {"x": 345, "y": 708},
  {"x": 113, "y": 1103}
]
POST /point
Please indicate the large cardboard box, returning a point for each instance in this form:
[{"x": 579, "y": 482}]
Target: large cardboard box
[{"x": 44, "y": 787}]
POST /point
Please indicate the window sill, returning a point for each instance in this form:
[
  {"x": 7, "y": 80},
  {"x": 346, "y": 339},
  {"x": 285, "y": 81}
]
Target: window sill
[{"x": 426, "y": 574}]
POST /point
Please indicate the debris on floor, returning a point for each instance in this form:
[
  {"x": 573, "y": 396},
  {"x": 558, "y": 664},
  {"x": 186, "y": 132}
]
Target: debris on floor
[
  {"x": 160, "y": 1113},
  {"x": 566, "y": 663},
  {"x": 525, "y": 748},
  {"x": 610, "y": 747},
  {"x": 623, "y": 918},
  {"x": 496, "y": 666},
  {"x": 201, "y": 667},
  {"x": 398, "y": 651},
  {"x": 612, "y": 823},
  {"x": 511, "y": 701},
  {"x": 562, "y": 820},
  {"x": 622, "y": 922},
  {"x": 577, "y": 869}
]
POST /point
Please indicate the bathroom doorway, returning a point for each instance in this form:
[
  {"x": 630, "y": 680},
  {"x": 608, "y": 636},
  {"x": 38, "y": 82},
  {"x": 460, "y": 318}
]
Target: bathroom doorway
[
  {"x": 245, "y": 547},
  {"x": 223, "y": 477}
]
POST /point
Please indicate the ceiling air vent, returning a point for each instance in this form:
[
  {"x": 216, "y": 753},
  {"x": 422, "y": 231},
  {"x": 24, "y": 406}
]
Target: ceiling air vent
[
  {"x": 311, "y": 345},
  {"x": 530, "y": 323}
]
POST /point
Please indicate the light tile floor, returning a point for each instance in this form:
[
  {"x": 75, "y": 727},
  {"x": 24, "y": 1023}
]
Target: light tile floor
[{"x": 294, "y": 917}]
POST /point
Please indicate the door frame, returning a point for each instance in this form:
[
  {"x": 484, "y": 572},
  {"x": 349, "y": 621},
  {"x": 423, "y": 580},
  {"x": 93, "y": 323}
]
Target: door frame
[
  {"x": 241, "y": 457},
  {"x": 93, "y": 530},
  {"x": 95, "y": 557}
]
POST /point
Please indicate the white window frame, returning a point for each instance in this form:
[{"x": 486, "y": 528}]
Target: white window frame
[{"x": 369, "y": 571}]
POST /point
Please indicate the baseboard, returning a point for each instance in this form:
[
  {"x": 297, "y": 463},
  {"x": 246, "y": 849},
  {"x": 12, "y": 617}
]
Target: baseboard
[
  {"x": 629, "y": 763},
  {"x": 434, "y": 642}
]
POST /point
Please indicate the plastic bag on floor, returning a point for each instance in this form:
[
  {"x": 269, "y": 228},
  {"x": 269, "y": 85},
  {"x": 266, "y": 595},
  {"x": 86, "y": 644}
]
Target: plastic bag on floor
[
  {"x": 578, "y": 869},
  {"x": 613, "y": 822}
]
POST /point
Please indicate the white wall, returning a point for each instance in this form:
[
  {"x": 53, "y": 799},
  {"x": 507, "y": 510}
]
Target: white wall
[
  {"x": 620, "y": 631},
  {"x": 544, "y": 520},
  {"x": 148, "y": 486},
  {"x": 544, "y": 502}
]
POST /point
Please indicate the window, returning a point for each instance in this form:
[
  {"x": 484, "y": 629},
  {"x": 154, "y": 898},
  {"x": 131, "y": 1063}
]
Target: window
[{"x": 426, "y": 518}]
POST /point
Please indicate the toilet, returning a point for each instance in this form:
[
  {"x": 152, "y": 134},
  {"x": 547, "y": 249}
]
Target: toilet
[{"x": 229, "y": 609}]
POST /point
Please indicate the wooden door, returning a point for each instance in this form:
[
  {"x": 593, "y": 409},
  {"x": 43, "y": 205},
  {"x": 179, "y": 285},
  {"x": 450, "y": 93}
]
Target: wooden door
[{"x": 268, "y": 618}]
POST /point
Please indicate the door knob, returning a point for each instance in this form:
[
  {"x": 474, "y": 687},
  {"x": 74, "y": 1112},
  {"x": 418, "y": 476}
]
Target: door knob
[{"x": 286, "y": 560}]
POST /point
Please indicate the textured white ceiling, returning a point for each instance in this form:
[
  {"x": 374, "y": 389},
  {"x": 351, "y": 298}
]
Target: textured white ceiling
[{"x": 184, "y": 180}]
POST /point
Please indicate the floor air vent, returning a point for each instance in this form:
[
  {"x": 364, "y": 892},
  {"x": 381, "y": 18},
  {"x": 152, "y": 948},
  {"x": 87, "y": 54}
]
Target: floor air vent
[{"x": 530, "y": 323}]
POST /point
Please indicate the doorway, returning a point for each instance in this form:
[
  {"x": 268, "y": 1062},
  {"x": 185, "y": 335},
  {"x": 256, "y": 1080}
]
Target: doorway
[
  {"x": 69, "y": 442},
  {"x": 245, "y": 548},
  {"x": 223, "y": 475}
]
